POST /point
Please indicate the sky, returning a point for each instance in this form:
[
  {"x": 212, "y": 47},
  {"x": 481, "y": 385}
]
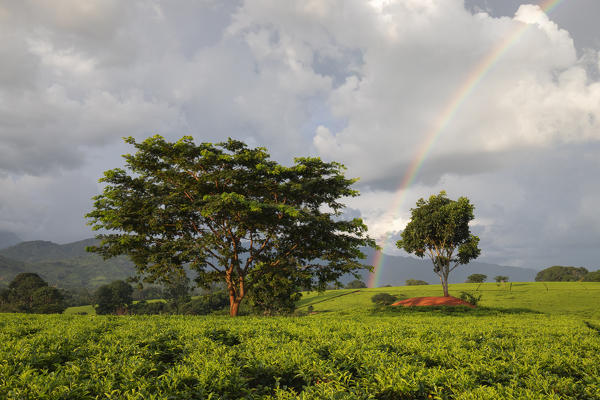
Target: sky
[{"x": 360, "y": 82}]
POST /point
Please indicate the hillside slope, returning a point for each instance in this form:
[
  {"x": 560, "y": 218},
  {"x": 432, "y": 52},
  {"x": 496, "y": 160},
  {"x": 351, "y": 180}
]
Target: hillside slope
[{"x": 67, "y": 265}]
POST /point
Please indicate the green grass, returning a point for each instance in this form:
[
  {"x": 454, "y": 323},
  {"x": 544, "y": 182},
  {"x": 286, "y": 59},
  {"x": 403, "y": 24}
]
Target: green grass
[
  {"x": 79, "y": 310},
  {"x": 528, "y": 341},
  {"x": 557, "y": 298}
]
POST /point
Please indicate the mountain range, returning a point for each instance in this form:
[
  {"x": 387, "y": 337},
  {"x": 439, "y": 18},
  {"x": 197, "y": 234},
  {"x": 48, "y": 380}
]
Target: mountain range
[
  {"x": 64, "y": 265},
  {"x": 395, "y": 270},
  {"x": 70, "y": 265}
]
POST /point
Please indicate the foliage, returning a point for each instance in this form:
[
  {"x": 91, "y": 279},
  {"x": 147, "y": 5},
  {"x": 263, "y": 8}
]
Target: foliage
[
  {"x": 201, "y": 305},
  {"x": 415, "y": 282},
  {"x": 114, "y": 298},
  {"x": 322, "y": 356},
  {"x": 470, "y": 298},
  {"x": 148, "y": 293},
  {"x": 225, "y": 210},
  {"x": 592, "y": 276},
  {"x": 206, "y": 304},
  {"x": 276, "y": 291},
  {"x": 501, "y": 278},
  {"x": 476, "y": 278},
  {"x": 177, "y": 290},
  {"x": 559, "y": 273},
  {"x": 383, "y": 299},
  {"x": 439, "y": 227},
  {"x": 29, "y": 293},
  {"x": 356, "y": 284}
]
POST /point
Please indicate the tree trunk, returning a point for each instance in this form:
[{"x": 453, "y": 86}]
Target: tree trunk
[
  {"x": 444, "y": 281},
  {"x": 236, "y": 294},
  {"x": 234, "y": 305}
]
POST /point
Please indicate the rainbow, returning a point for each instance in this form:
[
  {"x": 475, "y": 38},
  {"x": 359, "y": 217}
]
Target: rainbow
[{"x": 475, "y": 76}]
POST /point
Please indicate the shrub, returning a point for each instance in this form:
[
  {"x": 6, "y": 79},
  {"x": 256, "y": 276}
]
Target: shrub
[
  {"x": 383, "y": 299},
  {"x": 415, "y": 282},
  {"x": 356, "y": 284},
  {"x": 470, "y": 298},
  {"x": 559, "y": 273},
  {"x": 476, "y": 278}
]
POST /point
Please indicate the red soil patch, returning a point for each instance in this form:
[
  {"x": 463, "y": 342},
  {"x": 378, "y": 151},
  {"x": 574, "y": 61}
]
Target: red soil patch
[{"x": 432, "y": 301}]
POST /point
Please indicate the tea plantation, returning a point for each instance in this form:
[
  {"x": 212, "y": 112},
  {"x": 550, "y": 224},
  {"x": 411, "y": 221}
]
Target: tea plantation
[{"x": 533, "y": 341}]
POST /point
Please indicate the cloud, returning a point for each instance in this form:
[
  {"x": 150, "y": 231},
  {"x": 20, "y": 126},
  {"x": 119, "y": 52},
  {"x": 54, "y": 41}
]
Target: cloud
[
  {"x": 535, "y": 95},
  {"x": 364, "y": 83}
]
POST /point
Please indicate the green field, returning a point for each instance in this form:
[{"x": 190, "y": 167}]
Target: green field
[{"x": 526, "y": 341}]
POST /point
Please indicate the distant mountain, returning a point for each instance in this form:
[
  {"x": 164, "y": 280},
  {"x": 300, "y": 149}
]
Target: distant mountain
[
  {"x": 67, "y": 265},
  {"x": 395, "y": 270},
  {"x": 41, "y": 250},
  {"x": 8, "y": 269},
  {"x": 8, "y": 239}
]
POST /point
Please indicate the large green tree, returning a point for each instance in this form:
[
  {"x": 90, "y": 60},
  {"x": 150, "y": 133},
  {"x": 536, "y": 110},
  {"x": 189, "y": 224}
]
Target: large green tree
[
  {"x": 439, "y": 227},
  {"x": 227, "y": 211}
]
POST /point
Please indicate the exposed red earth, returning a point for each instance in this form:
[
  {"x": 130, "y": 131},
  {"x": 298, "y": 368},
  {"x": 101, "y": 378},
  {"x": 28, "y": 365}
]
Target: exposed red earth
[{"x": 432, "y": 301}]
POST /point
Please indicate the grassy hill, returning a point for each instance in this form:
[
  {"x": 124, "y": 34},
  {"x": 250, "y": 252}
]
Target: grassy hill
[{"x": 579, "y": 299}]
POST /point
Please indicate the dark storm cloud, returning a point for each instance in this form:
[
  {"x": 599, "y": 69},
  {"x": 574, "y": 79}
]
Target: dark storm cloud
[{"x": 362, "y": 83}]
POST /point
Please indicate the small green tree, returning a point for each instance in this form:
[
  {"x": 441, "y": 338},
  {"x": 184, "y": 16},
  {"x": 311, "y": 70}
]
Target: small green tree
[
  {"x": 225, "y": 210},
  {"x": 476, "y": 278},
  {"x": 501, "y": 278},
  {"x": 114, "y": 298},
  {"x": 415, "y": 282},
  {"x": 276, "y": 291},
  {"x": 356, "y": 284},
  {"x": 439, "y": 227}
]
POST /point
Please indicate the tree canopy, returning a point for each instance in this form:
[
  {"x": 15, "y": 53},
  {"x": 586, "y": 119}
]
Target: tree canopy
[
  {"x": 476, "y": 278},
  {"x": 114, "y": 298},
  {"x": 439, "y": 227},
  {"x": 29, "y": 293},
  {"x": 559, "y": 273},
  {"x": 229, "y": 213}
]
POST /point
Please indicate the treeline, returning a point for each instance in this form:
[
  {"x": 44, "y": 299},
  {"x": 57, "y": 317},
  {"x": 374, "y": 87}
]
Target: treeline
[{"x": 559, "y": 273}]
